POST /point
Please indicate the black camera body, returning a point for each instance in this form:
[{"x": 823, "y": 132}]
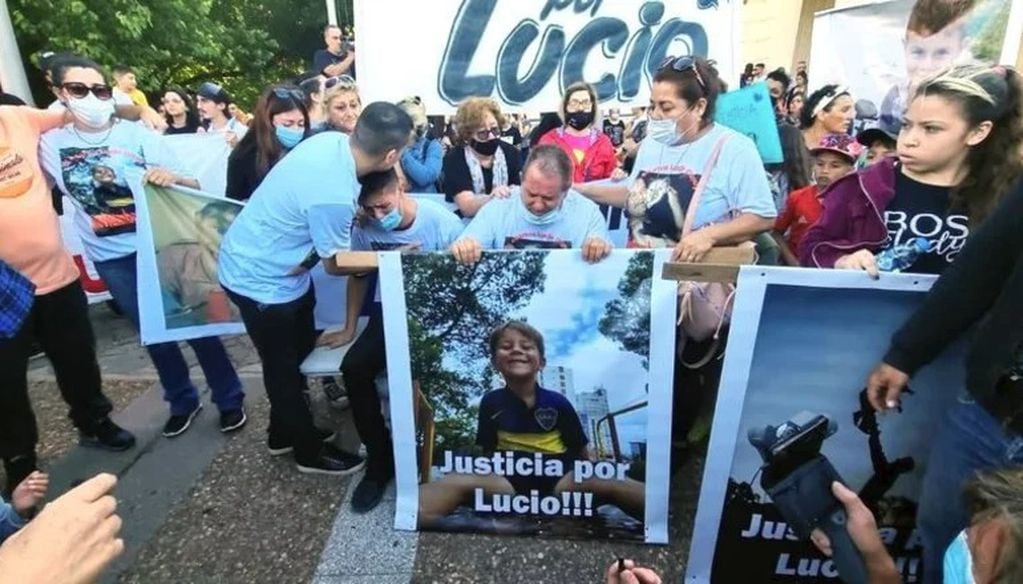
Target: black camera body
[{"x": 798, "y": 478}]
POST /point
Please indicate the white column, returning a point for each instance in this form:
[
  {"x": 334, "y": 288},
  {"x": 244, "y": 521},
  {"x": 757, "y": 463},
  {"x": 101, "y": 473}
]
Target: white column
[
  {"x": 12, "y": 73},
  {"x": 332, "y": 12}
]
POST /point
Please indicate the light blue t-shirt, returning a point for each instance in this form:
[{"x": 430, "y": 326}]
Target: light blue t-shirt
[
  {"x": 307, "y": 201},
  {"x": 435, "y": 228},
  {"x": 504, "y": 224},
  {"x": 93, "y": 170},
  {"x": 664, "y": 178}
]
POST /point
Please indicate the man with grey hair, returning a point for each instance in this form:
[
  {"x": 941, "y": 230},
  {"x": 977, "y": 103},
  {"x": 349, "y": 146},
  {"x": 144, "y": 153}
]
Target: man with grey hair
[
  {"x": 336, "y": 59},
  {"x": 544, "y": 213}
]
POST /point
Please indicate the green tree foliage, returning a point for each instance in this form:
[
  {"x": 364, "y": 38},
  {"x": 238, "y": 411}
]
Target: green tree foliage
[
  {"x": 626, "y": 319},
  {"x": 987, "y": 46},
  {"x": 242, "y": 44},
  {"x": 451, "y": 309}
]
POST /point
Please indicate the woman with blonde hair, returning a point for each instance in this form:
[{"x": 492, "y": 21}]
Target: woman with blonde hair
[
  {"x": 582, "y": 138},
  {"x": 341, "y": 103},
  {"x": 421, "y": 161},
  {"x": 480, "y": 166}
]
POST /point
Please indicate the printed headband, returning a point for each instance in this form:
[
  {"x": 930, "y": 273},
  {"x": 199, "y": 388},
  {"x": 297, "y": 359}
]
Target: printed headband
[{"x": 824, "y": 103}]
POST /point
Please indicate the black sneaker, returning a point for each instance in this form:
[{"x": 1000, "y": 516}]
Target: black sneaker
[
  {"x": 368, "y": 494},
  {"x": 336, "y": 393},
  {"x": 176, "y": 425},
  {"x": 17, "y": 469},
  {"x": 331, "y": 461},
  {"x": 107, "y": 435},
  {"x": 280, "y": 447},
  {"x": 232, "y": 420}
]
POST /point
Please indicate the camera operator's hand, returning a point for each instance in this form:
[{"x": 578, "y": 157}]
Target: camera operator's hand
[
  {"x": 863, "y": 531},
  {"x": 630, "y": 573},
  {"x": 884, "y": 386}
]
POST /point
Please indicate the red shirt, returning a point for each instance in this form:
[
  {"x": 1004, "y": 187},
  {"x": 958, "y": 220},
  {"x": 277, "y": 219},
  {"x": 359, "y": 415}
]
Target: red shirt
[
  {"x": 593, "y": 163},
  {"x": 802, "y": 209}
]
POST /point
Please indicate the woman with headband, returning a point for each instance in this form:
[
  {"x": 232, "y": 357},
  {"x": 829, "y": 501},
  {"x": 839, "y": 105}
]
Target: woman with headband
[
  {"x": 829, "y": 110},
  {"x": 957, "y": 154}
]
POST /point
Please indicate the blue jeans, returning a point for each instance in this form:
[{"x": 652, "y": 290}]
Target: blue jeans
[
  {"x": 969, "y": 440},
  {"x": 178, "y": 390}
]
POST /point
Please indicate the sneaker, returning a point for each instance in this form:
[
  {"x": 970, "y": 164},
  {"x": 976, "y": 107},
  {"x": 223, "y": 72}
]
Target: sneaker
[
  {"x": 17, "y": 469},
  {"x": 280, "y": 447},
  {"x": 232, "y": 420},
  {"x": 331, "y": 461},
  {"x": 368, "y": 494},
  {"x": 107, "y": 435},
  {"x": 336, "y": 393},
  {"x": 176, "y": 425}
]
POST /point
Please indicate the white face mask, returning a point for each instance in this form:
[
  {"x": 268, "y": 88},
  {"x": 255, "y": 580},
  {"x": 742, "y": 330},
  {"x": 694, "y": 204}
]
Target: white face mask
[
  {"x": 92, "y": 111},
  {"x": 666, "y": 131}
]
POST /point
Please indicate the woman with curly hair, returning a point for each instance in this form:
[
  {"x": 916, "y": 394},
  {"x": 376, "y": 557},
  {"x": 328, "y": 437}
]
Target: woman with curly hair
[
  {"x": 958, "y": 153},
  {"x": 480, "y": 166}
]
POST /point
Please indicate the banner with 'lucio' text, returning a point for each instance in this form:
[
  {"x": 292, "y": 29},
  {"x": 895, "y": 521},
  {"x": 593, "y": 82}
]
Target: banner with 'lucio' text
[{"x": 523, "y": 53}]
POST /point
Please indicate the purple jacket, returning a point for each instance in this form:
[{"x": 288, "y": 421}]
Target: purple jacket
[{"x": 853, "y": 217}]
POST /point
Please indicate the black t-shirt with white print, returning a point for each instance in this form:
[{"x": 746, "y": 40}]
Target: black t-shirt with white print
[{"x": 922, "y": 211}]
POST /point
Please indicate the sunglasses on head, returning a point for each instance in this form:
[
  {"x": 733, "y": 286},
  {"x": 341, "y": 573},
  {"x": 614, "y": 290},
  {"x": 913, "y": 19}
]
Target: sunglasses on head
[
  {"x": 80, "y": 90},
  {"x": 291, "y": 93},
  {"x": 346, "y": 80},
  {"x": 683, "y": 64}
]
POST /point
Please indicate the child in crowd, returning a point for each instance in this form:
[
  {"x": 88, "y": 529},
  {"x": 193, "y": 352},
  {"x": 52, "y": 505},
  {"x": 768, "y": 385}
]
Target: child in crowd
[
  {"x": 877, "y": 144},
  {"x": 834, "y": 158},
  {"x": 29, "y": 493}
]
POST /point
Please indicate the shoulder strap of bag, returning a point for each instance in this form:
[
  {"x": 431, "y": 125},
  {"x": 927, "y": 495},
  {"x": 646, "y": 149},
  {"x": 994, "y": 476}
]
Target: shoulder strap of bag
[{"x": 694, "y": 202}]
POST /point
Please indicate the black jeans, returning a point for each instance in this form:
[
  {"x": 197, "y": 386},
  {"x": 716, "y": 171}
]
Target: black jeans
[
  {"x": 284, "y": 335},
  {"x": 366, "y": 359},
  {"x": 59, "y": 321}
]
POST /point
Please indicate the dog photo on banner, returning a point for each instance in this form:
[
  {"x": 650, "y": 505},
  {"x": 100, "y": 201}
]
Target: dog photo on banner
[
  {"x": 530, "y": 393},
  {"x": 792, "y": 406},
  {"x": 179, "y": 233}
]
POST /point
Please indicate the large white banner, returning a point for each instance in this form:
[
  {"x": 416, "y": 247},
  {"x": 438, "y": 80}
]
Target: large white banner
[
  {"x": 205, "y": 156},
  {"x": 872, "y": 50},
  {"x": 525, "y": 52}
]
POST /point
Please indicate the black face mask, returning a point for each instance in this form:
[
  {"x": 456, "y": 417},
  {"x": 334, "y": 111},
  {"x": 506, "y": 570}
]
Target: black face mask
[
  {"x": 485, "y": 148},
  {"x": 579, "y": 120}
]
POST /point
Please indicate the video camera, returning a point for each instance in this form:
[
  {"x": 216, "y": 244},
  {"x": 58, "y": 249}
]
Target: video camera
[{"x": 797, "y": 478}]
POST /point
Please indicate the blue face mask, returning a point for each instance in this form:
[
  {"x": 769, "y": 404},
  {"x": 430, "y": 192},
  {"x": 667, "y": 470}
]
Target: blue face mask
[
  {"x": 289, "y": 137},
  {"x": 390, "y": 221},
  {"x": 958, "y": 562},
  {"x": 545, "y": 219}
]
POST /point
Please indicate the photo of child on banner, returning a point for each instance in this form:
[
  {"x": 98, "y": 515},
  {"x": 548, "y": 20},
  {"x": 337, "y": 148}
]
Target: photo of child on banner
[
  {"x": 179, "y": 233},
  {"x": 792, "y": 403},
  {"x": 530, "y": 414}
]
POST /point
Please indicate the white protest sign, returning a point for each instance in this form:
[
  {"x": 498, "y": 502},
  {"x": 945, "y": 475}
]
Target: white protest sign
[{"x": 523, "y": 53}]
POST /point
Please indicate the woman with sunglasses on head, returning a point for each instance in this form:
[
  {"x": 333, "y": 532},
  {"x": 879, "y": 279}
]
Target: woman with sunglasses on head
[
  {"x": 958, "y": 152},
  {"x": 480, "y": 166},
  {"x": 279, "y": 123},
  {"x": 829, "y": 110},
  {"x": 422, "y": 161},
  {"x": 589, "y": 149},
  {"x": 341, "y": 103},
  {"x": 180, "y": 112},
  {"x": 213, "y": 102}
]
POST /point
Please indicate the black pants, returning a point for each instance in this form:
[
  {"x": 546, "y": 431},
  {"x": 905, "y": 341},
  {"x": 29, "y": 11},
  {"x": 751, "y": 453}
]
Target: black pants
[
  {"x": 693, "y": 387},
  {"x": 284, "y": 335},
  {"x": 59, "y": 322},
  {"x": 366, "y": 359}
]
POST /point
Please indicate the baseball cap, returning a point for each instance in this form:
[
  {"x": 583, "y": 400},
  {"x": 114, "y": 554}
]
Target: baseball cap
[
  {"x": 871, "y": 135},
  {"x": 840, "y": 144},
  {"x": 214, "y": 92}
]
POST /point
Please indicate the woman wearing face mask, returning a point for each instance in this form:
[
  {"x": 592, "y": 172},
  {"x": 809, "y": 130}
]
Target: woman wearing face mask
[
  {"x": 589, "y": 149},
  {"x": 958, "y": 152},
  {"x": 829, "y": 110},
  {"x": 481, "y": 166},
  {"x": 342, "y": 103},
  {"x": 421, "y": 162},
  {"x": 280, "y": 122},
  {"x": 179, "y": 112}
]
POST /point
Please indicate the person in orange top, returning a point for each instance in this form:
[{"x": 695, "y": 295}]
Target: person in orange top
[
  {"x": 834, "y": 158},
  {"x": 30, "y": 242}
]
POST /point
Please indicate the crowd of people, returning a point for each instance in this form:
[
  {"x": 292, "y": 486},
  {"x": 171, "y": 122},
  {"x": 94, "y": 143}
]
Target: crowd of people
[{"x": 949, "y": 175}]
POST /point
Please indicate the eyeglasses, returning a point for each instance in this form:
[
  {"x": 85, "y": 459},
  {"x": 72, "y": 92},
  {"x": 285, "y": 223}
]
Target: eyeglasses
[
  {"x": 488, "y": 133},
  {"x": 683, "y": 64},
  {"x": 575, "y": 103},
  {"x": 343, "y": 80},
  {"x": 291, "y": 93},
  {"x": 80, "y": 90}
]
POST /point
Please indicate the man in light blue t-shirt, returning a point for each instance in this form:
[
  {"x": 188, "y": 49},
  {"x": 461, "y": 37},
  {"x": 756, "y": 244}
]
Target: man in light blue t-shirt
[
  {"x": 544, "y": 213},
  {"x": 391, "y": 221},
  {"x": 306, "y": 202}
]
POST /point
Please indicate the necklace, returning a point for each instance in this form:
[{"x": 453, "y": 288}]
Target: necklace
[{"x": 102, "y": 139}]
